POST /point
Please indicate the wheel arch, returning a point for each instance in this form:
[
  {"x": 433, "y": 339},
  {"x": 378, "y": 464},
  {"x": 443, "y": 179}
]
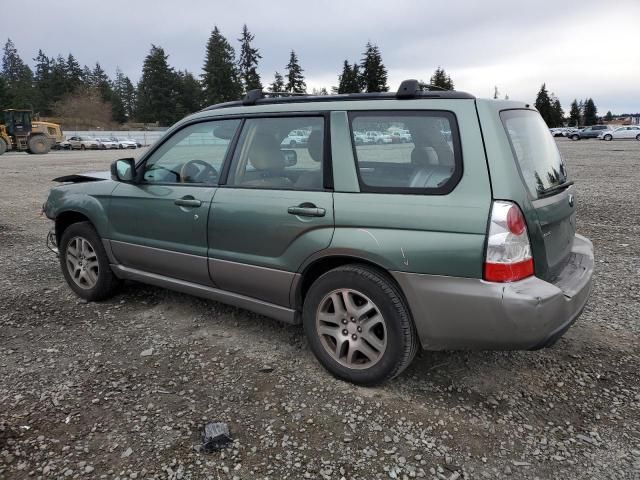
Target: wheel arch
[{"x": 67, "y": 218}]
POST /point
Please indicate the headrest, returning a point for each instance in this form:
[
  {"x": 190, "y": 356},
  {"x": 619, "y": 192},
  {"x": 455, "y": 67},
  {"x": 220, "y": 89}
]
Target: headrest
[
  {"x": 265, "y": 153},
  {"x": 422, "y": 155},
  {"x": 314, "y": 145}
]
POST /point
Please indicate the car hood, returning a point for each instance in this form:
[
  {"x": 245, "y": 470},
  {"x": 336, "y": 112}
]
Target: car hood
[{"x": 84, "y": 177}]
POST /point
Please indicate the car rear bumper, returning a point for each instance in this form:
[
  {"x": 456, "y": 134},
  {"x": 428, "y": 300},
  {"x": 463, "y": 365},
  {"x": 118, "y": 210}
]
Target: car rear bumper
[{"x": 466, "y": 313}]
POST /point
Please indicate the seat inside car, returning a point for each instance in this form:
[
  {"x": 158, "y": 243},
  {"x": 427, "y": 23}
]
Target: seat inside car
[
  {"x": 267, "y": 159},
  {"x": 312, "y": 180}
]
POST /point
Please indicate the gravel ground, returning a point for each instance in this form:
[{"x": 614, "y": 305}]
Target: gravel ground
[{"x": 120, "y": 389}]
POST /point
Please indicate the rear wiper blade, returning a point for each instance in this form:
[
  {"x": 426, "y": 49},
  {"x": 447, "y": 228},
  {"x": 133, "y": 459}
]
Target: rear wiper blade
[{"x": 556, "y": 188}]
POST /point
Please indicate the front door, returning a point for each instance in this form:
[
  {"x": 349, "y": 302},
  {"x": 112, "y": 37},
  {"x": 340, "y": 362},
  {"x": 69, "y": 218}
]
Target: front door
[
  {"x": 273, "y": 212},
  {"x": 159, "y": 223}
]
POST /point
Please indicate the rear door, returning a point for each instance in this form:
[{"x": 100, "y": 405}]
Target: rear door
[
  {"x": 552, "y": 194},
  {"x": 273, "y": 211}
]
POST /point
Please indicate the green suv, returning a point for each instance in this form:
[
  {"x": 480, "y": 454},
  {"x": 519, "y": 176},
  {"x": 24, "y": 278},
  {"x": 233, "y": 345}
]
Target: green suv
[{"x": 462, "y": 236}]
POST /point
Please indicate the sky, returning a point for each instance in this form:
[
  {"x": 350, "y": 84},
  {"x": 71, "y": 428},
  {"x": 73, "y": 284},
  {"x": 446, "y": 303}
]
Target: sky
[{"x": 582, "y": 49}]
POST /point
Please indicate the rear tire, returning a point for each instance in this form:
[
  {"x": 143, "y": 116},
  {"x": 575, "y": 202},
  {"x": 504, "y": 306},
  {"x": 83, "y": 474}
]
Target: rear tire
[
  {"x": 381, "y": 339},
  {"x": 574, "y": 137},
  {"x": 638, "y": 137},
  {"x": 39, "y": 145},
  {"x": 608, "y": 138},
  {"x": 82, "y": 147},
  {"x": 85, "y": 264},
  {"x": 3, "y": 146}
]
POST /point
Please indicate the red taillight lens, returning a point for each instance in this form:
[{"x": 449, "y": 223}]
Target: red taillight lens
[
  {"x": 515, "y": 221},
  {"x": 508, "y": 255}
]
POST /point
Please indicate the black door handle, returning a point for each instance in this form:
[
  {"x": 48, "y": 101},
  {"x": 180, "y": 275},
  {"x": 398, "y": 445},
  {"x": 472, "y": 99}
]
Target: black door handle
[
  {"x": 187, "y": 201},
  {"x": 307, "y": 210}
]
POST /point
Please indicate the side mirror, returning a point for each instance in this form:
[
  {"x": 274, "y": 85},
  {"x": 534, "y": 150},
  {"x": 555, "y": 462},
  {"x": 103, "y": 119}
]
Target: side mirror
[
  {"x": 290, "y": 158},
  {"x": 124, "y": 170}
]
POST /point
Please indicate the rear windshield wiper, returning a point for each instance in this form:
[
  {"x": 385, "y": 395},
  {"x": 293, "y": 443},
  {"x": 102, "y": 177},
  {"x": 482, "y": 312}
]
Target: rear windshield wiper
[{"x": 555, "y": 189}]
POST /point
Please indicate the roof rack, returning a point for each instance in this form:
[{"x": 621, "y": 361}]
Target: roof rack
[{"x": 408, "y": 89}]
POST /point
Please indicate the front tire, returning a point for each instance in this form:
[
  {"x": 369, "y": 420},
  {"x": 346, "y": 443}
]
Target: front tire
[
  {"x": 574, "y": 137},
  {"x": 358, "y": 325},
  {"x": 85, "y": 264},
  {"x": 608, "y": 138},
  {"x": 39, "y": 145},
  {"x": 638, "y": 137},
  {"x": 3, "y": 146}
]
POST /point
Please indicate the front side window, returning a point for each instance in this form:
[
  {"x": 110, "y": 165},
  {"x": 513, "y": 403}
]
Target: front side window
[
  {"x": 192, "y": 155},
  {"x": 279, "y": 153},
  {"x": 407, "y": 152}
]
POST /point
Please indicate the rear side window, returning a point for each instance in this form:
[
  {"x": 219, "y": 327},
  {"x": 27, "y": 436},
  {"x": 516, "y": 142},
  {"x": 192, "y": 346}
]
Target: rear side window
[
  {"x": 535, "y": 150},
  {"x": 407, "y": 152}
]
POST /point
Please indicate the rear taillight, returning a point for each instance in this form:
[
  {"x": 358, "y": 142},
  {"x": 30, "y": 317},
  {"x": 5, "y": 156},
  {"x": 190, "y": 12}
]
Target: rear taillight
[{"x": 508, "y": 249}]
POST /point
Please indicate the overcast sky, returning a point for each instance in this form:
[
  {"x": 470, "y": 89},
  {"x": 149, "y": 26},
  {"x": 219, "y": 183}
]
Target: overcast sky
[{"x": 580, "y": 49}]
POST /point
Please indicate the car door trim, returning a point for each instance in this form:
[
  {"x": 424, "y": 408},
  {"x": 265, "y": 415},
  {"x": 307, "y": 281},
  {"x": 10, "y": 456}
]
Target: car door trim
[
  {"x": 283, "y": 314},
  {"x": 178, "y": 265}
]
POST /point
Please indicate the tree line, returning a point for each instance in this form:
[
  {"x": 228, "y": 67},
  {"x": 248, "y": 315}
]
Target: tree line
[{"x": 59, "y": 86}]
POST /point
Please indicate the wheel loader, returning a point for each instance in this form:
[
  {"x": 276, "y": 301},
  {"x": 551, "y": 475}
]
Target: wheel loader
[{"x": 20, "y": 133}]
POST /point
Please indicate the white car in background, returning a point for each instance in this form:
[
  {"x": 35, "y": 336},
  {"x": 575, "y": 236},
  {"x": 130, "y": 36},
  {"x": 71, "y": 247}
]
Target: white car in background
[
  {"x": 107, "y": 143},
  {"x": 378, "y": 137},
  {"x": 83, "y": 143},
  {"x": 124, "y": 142},
  {"x": 630, "y": 132},
  {"x": 295, "y": 138}
]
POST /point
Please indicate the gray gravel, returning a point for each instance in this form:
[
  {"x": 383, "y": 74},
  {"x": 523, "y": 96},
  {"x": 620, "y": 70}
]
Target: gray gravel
[{"x": 121, "y": 389}]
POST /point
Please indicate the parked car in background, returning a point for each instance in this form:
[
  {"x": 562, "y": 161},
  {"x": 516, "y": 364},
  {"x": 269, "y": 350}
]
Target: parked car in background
[
  {"x": 378, "y": 137},
  {"x": 360, "y": 138},
  {"x": 558, "y": 132},
  {"x": 400, "y": 136},
  {"x": 124, "y": 142},
  {"x": 83, "y": 143},
  {"x": 622, "y": 133},
  {"x": 296, "y": 138},
  {"x": 107, "y": 143},
  {"x": 589, "y": 132},
  {"x": 405, "y": 247},
  {"x": 64, "y": 145}
]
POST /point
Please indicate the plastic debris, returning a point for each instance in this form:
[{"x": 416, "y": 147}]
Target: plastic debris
[{"x": 215, "y": 436}]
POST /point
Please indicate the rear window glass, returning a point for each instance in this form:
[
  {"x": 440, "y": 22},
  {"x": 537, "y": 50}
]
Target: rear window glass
[
  {"x": 406, "y": 152},
  {"x": 535, "y": 150}
]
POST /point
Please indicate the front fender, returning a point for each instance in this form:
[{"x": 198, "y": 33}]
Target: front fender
[{"x": 88, "y": 199}]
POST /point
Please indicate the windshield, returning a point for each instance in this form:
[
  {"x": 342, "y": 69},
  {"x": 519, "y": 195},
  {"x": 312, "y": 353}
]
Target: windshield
[{"x": 535, "y": 150}]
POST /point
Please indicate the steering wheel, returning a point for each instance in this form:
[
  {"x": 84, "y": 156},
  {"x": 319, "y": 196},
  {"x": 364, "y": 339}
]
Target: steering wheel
[{"x": 207, "y": 171}]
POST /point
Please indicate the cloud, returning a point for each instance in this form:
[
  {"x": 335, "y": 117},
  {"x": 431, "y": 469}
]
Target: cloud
[{"x": 586, "y": 51}]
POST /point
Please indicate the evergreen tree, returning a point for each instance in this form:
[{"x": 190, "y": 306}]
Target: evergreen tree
[
  {"x": 295, "y": 79},
  {"x": 5, "y": 98},
  {"x": 58, "y": 79},
  {"x": 248, "y": 62},
  {"x": 157, "y": 89},
  {"x": 220, "y": 78},
  {"x": 441, "y": 79},
  {"x": 574, "y": 114},
  {"x": 75, "y": 76},
  {"x": 590, "y": 112},
  {"x": 277, "y": 86},
  {"x": 374, "y": 73},
  {"x": 544, "y": 106},
  {"x": 609, "y": 116},
  {"x": 42, "y": 83},
  {"x": 350, "y": 80},
  {"x": 495, "y": 92},
  {"x": 190, "y": 94},
  {"x": 118, "y": 109},
  {"x": 129, "y": 98},
  {"x": 100, "y": 81},
  {"x": 18, "y": 76},
  {"x": 557, "y": 112}
]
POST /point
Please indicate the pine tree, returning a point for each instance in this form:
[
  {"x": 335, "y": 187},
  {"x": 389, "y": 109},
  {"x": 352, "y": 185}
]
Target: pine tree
[
  {"x": 277, "y": 86},
  {"x": 18, "y": 76},
  {"x": 441, "y": 79},
  {"x": 118, "y": 109},
  {"x": 100, "y": 81},
  {"x": 590, "y": 112},
  {"x": 157, "y": 89},
  {"x": 42, "y": 83},
  {"x": 609, "y": 116},
  {"x": 220, "y": 78},
  {"x": 350, "y": 81},
  {"x": 5, "y": 98},
  {"x": 574, "y": 114},
  {"x": 75, "y": 76},
  {"x": 189, "y": 92},
  {"x": 248, "y": 62},
  {"x": 129, "y": 96},
  {"x": 295, "y": 79},
  {"x": 557, "y": 112},
  {"x": 544, "y": 106},
  {"x": 495, "y": 92},
  {"x": 374, "y": 73}
]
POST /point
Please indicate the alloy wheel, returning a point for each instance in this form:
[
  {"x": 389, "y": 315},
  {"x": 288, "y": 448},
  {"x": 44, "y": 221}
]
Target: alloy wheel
[
  {"x": 351, "y": 328},
  {"x": 82, "y": 262}
]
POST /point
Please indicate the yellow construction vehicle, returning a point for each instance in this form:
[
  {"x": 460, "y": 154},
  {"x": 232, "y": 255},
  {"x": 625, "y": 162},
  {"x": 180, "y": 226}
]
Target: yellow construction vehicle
[{"x": 18, "y": 132}]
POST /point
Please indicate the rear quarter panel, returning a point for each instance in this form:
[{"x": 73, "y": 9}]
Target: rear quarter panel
[{"x": 429, "y": 234}]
